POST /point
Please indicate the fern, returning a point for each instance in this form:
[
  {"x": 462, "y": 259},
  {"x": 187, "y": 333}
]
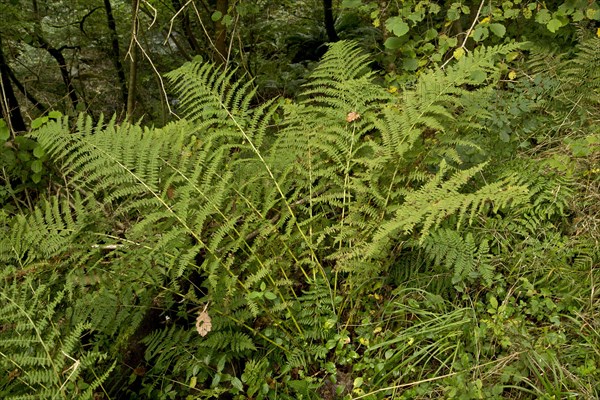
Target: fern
[
  {"x": 40, "y": 352},
  {"x": 269, "y": 223},
  {"x": 463, "y": 256},
  {"x": 581, "y": 77}
]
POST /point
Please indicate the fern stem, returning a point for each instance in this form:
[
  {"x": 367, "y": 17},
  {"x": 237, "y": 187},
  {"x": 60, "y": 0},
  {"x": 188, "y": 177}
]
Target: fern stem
[{"x": 278, "y": 187}]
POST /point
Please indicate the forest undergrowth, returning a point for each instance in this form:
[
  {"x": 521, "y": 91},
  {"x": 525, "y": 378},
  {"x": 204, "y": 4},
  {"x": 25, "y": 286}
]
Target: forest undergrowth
[{"x": 440, "y": 240}]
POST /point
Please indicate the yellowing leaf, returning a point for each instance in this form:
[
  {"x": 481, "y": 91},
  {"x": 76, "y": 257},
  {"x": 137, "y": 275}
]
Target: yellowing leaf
[
  {"x": 512, "y": 75},
  {"x": 598, "y": 32},
  {"x": 459, "y": 53},
  {"x": 485, "y": 20}
]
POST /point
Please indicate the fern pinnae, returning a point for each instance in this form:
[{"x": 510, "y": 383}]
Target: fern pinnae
[
  {"x": 229, "y": 222},
  {"x": 232, "y": 117}
]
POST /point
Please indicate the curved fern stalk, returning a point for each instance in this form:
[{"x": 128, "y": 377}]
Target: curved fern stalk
[{"x": 105, "y": 162}]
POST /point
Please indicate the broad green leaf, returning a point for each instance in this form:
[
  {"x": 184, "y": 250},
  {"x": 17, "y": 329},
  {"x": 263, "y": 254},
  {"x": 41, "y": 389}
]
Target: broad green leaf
[
  {"x": 498, "y": 29},
  {"x": 553, "y": 25},
  {"x": 417, "y": 16},
  {"x": 593, "y": 13},
  {"x": 453, "y": 14},
  {"x": 216, "y": 16},
  {"x": 397, "y": 26},
  {"x": 393, "y": 43},
  {"x": 54, "y": 114},
  {"x": 227, "y": 20},
  {"x": 543, "y": 17},
  {"x": 24, "y": 155},
  {"x": 578, "y": 16},
  {"x": 36, "y": 123},
  {"x": 480, "y": 33},
  {"x": 478, "y": 76},
  {"x": 512, "y": 56},
  {"x": 270, "y": 295},
  {"x": 236, "y": 383},
  {"x": 39, "y": 151},
  {"x": 434, "y": 8},
  {"x": 37, "y": 166},
  {"x": 512, "y": 13},
  {"x": 458, "y": 53},
  {"x": 410, "y": 64},
  {"x": 430, "y": 34}
]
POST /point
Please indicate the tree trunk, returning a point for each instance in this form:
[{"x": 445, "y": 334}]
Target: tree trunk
[
  {"x": 134, "y": 60},
  {"x": 221, "y": 33},
  {"x": 116, "y": 52},
  {"x": 329, "y": 21},
  {"x": 8, "y": 101}
]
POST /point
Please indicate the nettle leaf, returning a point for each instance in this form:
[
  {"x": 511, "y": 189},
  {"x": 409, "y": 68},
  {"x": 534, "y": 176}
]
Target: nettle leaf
[{"x": 397, "y": 26}]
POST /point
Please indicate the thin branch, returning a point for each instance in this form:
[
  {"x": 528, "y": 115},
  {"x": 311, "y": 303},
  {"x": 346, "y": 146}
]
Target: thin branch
[{"x": 475, "y": 20}]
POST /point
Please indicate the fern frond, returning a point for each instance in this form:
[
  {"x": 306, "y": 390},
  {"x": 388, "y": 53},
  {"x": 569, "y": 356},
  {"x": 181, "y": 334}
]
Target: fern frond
[{"x": 43, "y": 352}]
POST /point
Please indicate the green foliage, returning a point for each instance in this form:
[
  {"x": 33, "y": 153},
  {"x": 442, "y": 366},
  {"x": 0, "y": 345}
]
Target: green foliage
[
  {"x": 23, "y": 164},
  {"x": 42, "y": 352},
  {"x": 357, "y": 242},
  {"x": 419, "y": 34}
]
